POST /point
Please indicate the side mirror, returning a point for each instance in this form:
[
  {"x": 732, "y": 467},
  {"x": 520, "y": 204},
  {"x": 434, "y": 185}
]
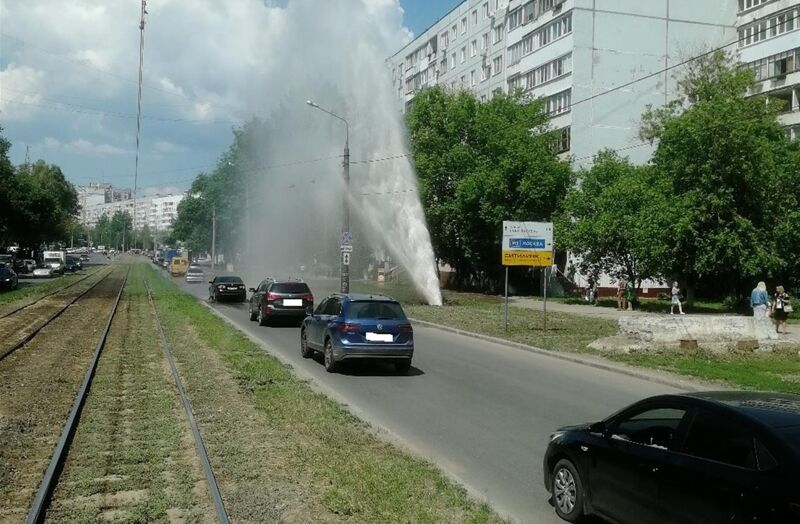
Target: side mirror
[
  {"x": 210, "y": 281},
  {"x": 251, "y": 289},
  {"x": 598, "y": 428},
  {"x": 309, "y": 311}
]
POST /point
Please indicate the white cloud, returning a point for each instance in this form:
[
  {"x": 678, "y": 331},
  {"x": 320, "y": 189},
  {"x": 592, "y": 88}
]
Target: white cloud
[
  {"x": 20, "y": 92},
  {"x": 83, "y": 147}
]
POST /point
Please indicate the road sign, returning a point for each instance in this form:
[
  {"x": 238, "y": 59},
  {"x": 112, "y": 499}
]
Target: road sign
[
  {"x": 346, "y": 248},
  {"x": 527, "y": 244},
  {"x": 347, "y": 238},
  {"x": 346, "y": 259}
]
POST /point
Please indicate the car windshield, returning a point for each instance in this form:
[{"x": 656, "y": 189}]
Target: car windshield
[
  {"x": 289, "y": 287},
  {"x": 378, "y": 310},
  {"x": 792, "y": 435},
  {"x": 48, "y": 260},
  {"x": 4, "y": 270},
  {"x": 229, "y": 280},
  {"x": 194, "y": 270}
]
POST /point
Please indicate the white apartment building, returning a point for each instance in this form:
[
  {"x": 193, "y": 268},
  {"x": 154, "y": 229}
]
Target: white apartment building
[
  {"x": 157, "y": 212},
  {"x": 598, "y": 63},
  {"x": 769, "y": 42}
]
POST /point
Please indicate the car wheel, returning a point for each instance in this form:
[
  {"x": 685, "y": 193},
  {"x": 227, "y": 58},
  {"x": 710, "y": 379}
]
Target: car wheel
[
  {"x": 402, "y": 368},
  {"x": 305, "y": 350},
  {"x": 567, "y": 491},
  {"x": 253, "y": 316},
  {"x": 262, "y": 320},
  {"x": 331, "y": 366}
]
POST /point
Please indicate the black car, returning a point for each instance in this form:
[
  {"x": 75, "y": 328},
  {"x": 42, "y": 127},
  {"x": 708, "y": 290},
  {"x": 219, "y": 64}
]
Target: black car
[
  {"x": 231, "y": 287},
  {"x": 280, "y": 299},
  {"x": 696, "y": 458},
  {"x": 73, "y": 264},
  {"x": 8, "y": 278}
]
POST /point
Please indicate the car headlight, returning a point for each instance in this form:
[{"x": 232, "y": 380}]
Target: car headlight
[{"x": 556, "y": 435}]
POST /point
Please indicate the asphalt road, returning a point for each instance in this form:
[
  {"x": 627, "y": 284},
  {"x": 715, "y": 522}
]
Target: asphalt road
[{"x": 481, "y": 411}]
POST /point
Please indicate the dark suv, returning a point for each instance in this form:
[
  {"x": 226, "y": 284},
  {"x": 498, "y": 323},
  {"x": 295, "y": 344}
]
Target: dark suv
[{"x": 280, "y": 299}]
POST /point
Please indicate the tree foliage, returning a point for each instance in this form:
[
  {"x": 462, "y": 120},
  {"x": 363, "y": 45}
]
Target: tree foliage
[
  {"x": 480, "y": 163},
  {"x": 114, "y": 231}
]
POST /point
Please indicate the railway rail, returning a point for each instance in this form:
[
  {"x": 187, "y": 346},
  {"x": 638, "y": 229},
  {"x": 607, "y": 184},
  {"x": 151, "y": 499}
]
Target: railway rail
[{"x": 38, "y": 509}]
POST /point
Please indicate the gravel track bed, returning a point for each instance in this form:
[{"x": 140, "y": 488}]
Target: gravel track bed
[{"x": 38, "y": 383}]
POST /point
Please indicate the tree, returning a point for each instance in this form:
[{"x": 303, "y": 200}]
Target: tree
[
  {"x": 479, "y": 164},
  {"x": 8, "y": 194},
  {"x": 614, "y": 218},
  {"x": 731, "y": 178}
]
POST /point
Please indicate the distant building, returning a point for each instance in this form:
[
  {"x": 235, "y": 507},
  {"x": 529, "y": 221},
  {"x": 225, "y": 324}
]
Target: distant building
[
  {"x": 156, "y": 211},
  {"x": 769, "y": 42}
]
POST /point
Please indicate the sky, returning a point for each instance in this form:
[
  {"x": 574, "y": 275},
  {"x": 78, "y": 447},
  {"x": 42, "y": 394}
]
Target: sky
[{"x": 68, "y": 79}]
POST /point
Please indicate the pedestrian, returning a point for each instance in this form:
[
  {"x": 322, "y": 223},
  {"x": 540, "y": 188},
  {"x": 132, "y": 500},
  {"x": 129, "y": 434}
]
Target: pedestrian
[
  {"x": 676, "y": 299},
  {"x": 621, "y": 285},
  {"x": 781, "y": 307},
  {"x": 759, "y": 301},
  {"x": 630, "y": 294}
]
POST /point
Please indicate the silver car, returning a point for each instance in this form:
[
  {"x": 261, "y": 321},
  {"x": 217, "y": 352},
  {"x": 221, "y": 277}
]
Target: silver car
[
  {"x": 195, "y": 274},
  {"x": 43, "y": 271}
]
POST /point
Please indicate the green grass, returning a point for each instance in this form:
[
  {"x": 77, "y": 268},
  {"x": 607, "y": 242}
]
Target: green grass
[
  {"x": 484, "y": 314},
  {"x": 353, "y": 474},
  {"x": 36, "y": 289}
]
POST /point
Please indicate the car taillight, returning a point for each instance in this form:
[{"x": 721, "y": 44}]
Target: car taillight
[
  {"x": 271, "y": 297},
  {"x": 308, "y": 297},
  {"x": 406, "y": 328},
  {"x": 349, "y": 328}
]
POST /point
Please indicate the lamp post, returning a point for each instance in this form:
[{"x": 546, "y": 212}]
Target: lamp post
[{"x": 346, "y": 239}]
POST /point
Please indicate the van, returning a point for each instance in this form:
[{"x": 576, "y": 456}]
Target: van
[
  {"x": 57, "y": 260},
  {"x": 178, "y": 266}
]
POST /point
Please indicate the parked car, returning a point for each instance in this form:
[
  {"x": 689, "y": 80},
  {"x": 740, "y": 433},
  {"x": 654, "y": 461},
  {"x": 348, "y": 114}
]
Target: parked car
[
  {"x": 227, "y": 287},
  {"x": 85, "y": 258},
  {"x": 280, "y": 299},
  {"x": 73, "y": 264},
  {"x": 8, "y": 278},
  {"x": 354, "y": 326},
  {"x": 43, "y": 271},
  {"x": 710, "y": 457},
  {"x": 195, "y": 274}
]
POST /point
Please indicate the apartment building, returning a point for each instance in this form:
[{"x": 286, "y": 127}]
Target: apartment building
[
  {"x": 586, "y": 58},
  {"x": 769, "y": 42},
  {"x": 157, "y": 212}
]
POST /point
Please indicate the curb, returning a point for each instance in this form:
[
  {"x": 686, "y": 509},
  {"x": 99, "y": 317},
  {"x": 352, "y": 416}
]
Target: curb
[{"x": 658, "y": 377}]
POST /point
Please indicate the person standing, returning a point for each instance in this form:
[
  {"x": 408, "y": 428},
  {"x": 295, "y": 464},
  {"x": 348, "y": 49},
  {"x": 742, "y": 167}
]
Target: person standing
[
  {"x": 621, "y": 285},
  {"x": 759, "y": 301},
  {"x": 676, "y": 299},
  {"x": 781, "y": 307},
  {"x": 630, "y": 294}
]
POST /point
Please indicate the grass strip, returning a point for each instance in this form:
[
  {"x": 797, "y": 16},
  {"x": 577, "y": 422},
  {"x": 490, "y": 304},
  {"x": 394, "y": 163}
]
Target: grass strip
[
  {"x": 776, "y": 371},
  {"x": 345, "y": 471},
  {"x": 36, "y": 289}
]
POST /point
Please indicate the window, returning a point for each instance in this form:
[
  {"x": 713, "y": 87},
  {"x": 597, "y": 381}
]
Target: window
[
  {"x": 463, "y": 25},
  {"x": 376, "y": 310},
  {"x": 485, "y": 41},
  {"x": 559, "y": 103},
  {"x": 713, "y": 437},
  {"x": 540, "y": 37},
  {"x": 651, "y": 427},
  {"x": 473, "y": 48},
  {"x": 779, "y": 64},
  {"x": 498, "y": 34},
  {"x": 333, "y": 307},
  {"x": 483, "y": 98},
  {"x": 486, "y": 9},
  {"x": 770, "y": 27},
  {"x": 454, "y": 32},
  {"x": 472, "y": 78},
  {"x": 453, "y": 61},
  {"x": 463, "y": 81},
  {"x": 744, "y": 5},
  {"x": 486, "y": 72},
  {"x": 475, "y": 17},
  {"x": 515, "y": 19},
  {"x": 497, "y": 65},
  {"x": 550, "y": 71},
  {"x": 443, "y": 40},
  {"x": 463, "y": 54}
]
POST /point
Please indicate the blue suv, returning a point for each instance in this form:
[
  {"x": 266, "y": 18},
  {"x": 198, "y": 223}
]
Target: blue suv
[{"x": 354, "y": 326}]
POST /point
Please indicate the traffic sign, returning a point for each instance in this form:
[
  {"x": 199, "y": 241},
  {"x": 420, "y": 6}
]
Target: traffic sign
[
  {"x": 527, "y": 244},
  {"x": 347, "y": 238},
  {"x": 346, "y": 259},
  {"x": 346, "y": 248}
]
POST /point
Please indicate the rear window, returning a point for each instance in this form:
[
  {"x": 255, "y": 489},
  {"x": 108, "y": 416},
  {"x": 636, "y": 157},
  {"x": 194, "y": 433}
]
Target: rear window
[
  {"x": 230, "y": 280},
  {"x": 290, "y": 287},
  {"x": 52, "y": 260},
  {"x": 194, "y": 270},
  {"x": 376, "y": 310}
]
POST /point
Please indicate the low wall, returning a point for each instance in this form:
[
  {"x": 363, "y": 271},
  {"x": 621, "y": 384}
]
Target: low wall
[{"x": 655, "y": 329}]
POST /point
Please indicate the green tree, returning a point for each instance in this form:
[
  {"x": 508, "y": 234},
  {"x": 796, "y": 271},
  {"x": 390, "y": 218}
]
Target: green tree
[
  {"x": 8, "y": 194},
  {"x": 614, "y": 218},
  {"x": 479, "y": 164},
  {"x": 731, "y": 174}
]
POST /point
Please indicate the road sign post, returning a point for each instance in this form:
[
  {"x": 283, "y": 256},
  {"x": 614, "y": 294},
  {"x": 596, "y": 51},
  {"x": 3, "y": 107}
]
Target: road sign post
[{"x": 527, "y": 244}]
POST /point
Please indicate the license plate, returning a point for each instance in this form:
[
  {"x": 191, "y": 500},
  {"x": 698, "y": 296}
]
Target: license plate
[
  {"x": 293, "y": 302},
  {"x": 232, "y": 288},
  {"x": 379, "y": 337}
]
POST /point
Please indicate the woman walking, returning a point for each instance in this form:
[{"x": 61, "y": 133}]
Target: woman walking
[
  {"x": 781, "y": 307},
  {"x": 676, "y": 299}
]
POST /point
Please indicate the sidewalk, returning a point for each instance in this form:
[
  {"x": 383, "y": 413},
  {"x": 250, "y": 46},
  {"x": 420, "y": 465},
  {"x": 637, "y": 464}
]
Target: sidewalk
[{"x": 612, "y": 314}]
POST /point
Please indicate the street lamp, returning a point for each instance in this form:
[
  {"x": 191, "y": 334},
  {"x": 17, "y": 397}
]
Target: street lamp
[{"x": 346, "y": 239}]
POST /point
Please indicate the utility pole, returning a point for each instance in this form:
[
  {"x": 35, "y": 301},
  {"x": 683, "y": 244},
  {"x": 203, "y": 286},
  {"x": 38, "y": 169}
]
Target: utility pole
[
  {"x": 138, "y": 113},
  {"x": 213, "y": 237}
]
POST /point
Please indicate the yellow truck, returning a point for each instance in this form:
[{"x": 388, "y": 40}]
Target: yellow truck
[{"x": 178, "y": 266}]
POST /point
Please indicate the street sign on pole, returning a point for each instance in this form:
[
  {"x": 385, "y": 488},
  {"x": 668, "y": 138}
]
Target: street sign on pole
[
  {"x": 527, "y": 244},
  {"x": 347, "y": 239},
  {"x": 345, "y": 258},
  {"x": 347, "y": 248}
]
